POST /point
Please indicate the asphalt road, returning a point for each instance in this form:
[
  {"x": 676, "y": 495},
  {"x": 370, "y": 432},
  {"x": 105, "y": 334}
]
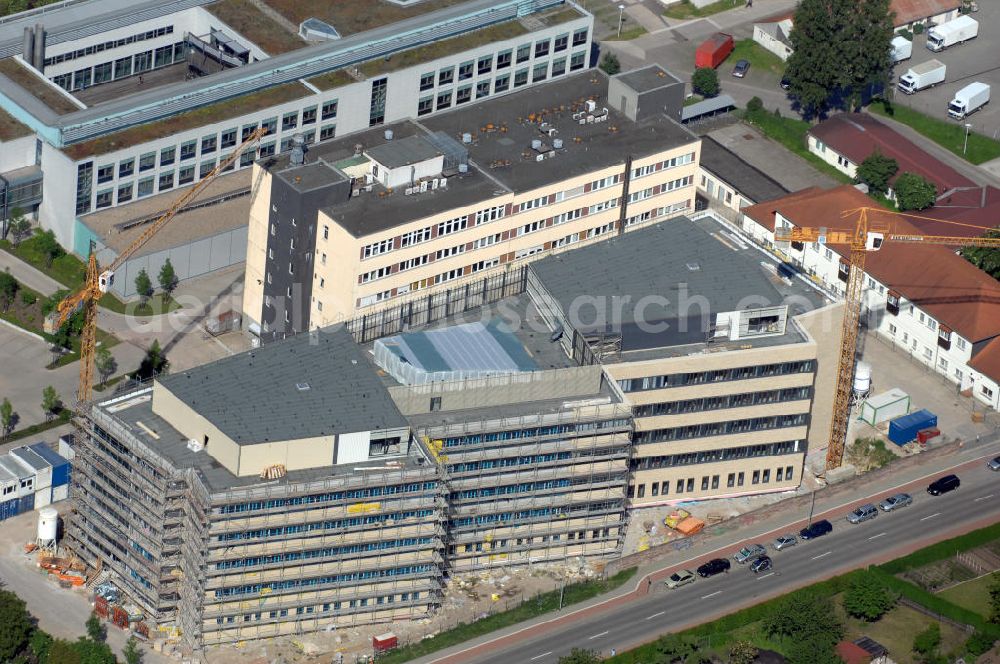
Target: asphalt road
[{"x": 929, "y": 519}]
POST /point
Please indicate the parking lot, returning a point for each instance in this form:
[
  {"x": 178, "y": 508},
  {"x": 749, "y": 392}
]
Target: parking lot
[{"x": 975, "y": 60}]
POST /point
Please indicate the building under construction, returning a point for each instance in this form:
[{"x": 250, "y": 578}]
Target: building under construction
[{"x": 269, "y": 493}]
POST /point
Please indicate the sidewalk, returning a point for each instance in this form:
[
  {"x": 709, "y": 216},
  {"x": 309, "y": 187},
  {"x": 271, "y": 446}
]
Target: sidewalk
[
  {"x": 726, "y": 537},
  {"x": 28, "y": 275}
]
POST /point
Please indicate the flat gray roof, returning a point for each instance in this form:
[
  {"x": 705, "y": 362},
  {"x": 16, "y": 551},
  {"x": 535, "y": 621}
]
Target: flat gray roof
[
  {"x": 501, "y": 159},
  {"x": 404, "y": 152},
  {"x": 647, "y": 78},
  {"x": 660, "y": 286},
  {"x": 171, "y": 445},
  {"x": 313, "y": 384},
  {"x": 754, "y": 184}
]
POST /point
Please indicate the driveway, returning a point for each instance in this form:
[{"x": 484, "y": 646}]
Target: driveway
[{"x": 24, "y": 375}]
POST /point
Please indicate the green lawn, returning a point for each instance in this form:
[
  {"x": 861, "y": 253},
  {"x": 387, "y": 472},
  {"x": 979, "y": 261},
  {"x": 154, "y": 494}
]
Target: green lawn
[
  {"x": 70, "y": 271},
  {"x": 536, "y": 606},
  {"x": 791, "y": 133},
  {"x": 684, "y": 9},
  {"x": 628, "y": 34},
  {"x": 759, "y": 57},
  {"x": 973, "y": 595},
  {"x": 947, "y": 134},
  {"x": 896, "y": 629}
]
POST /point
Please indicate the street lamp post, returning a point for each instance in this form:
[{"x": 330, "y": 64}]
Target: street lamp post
[
  {"x": 966, "y": 145},
  {"x": 621, "y": 18}
]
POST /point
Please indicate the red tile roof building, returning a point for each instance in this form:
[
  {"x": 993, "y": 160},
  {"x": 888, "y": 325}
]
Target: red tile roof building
[
  {"x": 941, "y": 308},
  {"x": 916, "y": 11}
]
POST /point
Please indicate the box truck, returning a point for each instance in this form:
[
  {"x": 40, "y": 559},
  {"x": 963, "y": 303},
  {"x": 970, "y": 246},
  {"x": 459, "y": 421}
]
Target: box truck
[
  {"x": 969, "y": 99},
  {"x": 922, "y": 76},
  {"x": 953, "y": 32},
  {"x": 712, "y": 51},
  {"x": 902, "y": 48}
]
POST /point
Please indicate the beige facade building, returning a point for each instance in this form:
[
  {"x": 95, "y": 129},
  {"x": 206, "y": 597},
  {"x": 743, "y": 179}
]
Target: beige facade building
[
  {"x": 381, "y": 218},
  {"x": 701, "y": 340}
]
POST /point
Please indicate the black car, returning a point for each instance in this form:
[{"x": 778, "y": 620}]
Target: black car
[
  {"x": 713, "y": 567},
  {"x": 785, "y": 83},
  {"x": 944, "y": 485},
  {"x": 817, "y": 529}
]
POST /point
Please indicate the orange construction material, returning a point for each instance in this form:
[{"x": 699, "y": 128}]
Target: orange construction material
[
  {"x": 690, "y": 526},
  {"x": 675, "y": 517}
]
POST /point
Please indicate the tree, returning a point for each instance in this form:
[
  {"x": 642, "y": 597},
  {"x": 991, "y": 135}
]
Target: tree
[
  {"x": 18, "y": 229},
  {"x": 986, "y": 259},
  {"x": 705, "y": 81},
  {"x": 167, "y": 278},
  {"x": 754, "y": 106},
  {"x": 8, "y": 289},
  {"x": 105, "y": 363},
  {"x": 914, "y": 192},
  {"x": 610, "y": 64},
  {"x": 676, "y": 649},
  {"x": 809, "y": 623},
  {"x": 144, "y": 286},
  {"x": 51, "y": 404},
  {"x": 876, "y": 171},
  {"x": 15, "y": 626},
  {"x": 841, "y": 53},
  {"x": 994, "y": 592},
  {"x": 743, "y": 652},
  {"x": 69, "y": 330},
  {"x": 575, "y": 656},
  {"x": 926, "y": 642},
  {"x": 45, "y": 242},
  {"x": 978, "y": 643},
  {"x": 94, "y": 652},
  {"x": 153, "y": 364},
  {"x": 63, "y": 652},
  {"x": 40, "y": 644},
  {"x": 7, "y": 418},
  {"x": 131, "y": 651},
  {"x": 868, "y": 598}
]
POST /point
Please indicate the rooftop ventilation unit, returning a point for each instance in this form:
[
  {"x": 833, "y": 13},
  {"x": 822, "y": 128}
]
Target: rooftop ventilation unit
[
  {"x": 302, "y": 387},
  {"x": 694, "y": 267},
  {"x": 298, "y": 150}
]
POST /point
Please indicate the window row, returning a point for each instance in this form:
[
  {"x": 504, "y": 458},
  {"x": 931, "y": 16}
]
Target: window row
[
  {"x": 717, "y": 375},
  {"x": 711, "y": 482},
  {"x": 108, "y": 45},
  {"x": 320, "y": 608},
  {"x": 722, "y": 402},
  {"x": 717, "y": 455},
  {"x": 720, "y": 428},
  {"x": 131, "y": 65},
  {"x": 329, "y": 579},
  {"x": 673, "y": 162}
]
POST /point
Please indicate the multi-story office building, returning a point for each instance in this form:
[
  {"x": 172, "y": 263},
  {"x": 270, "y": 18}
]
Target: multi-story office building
[
  {"x": 701, "y": 339},
  {"x": 127, "y": 100},
  {"x": 532, "y": 449},
  {"x": 380, "y": 218},
  {"x": 267, "y": 493}
]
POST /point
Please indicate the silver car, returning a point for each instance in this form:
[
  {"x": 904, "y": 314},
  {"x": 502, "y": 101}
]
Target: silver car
[
  {"x": 680, "y": 578},
  {"x": 785, "y": 541},
  {"x": 895, "y": 502},
  {"x": 994, "y": 464},
  {"x": 862, "y": 513},
  {"x": 748, "y": 553}
]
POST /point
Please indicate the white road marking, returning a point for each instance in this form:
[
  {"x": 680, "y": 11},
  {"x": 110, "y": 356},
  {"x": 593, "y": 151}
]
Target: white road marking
[
  {"x": 544, "y": 654},
  {"x": 597, "y": 636},
  {"x": 931, "y": 516},
  {"x": 822, "y": 555},
  {"x": 717, "y": 592},
  {"x": 655, "y": 615},
  {"x": 876, "y": 536},
  {"x": 765, "y": 576},
  {"x": 983, "y": 498}
]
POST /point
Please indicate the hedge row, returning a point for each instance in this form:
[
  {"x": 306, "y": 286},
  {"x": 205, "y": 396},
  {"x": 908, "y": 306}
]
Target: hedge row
[{"x": 943, "y": 550}]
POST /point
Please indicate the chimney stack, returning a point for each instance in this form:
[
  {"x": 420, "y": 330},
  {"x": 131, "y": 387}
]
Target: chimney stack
[
  {"x": 298, "y": 150},
  {"x": 28, "y": 50},
  {"x": 39, "y": 59}
]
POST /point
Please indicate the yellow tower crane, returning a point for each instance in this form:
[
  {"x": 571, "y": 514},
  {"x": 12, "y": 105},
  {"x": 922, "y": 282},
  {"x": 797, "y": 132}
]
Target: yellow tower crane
[
  {"x": 98, "y": 280},
  {"x": 867, "y": 235}
]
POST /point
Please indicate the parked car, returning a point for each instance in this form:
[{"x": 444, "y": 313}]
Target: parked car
[
  {"x": 785, "y": 541},
  {"x": 748, "y": 553},
  {"x": 895, "y": 502},
  {"x": 785, "y": 83},
  {"x": 713, "y": 567},
  {"x": 862, "y": 513},
  {"x": 741, "y": 68},
  {"x": 944, "y": 485},
  {"x": 678, "y": 579},
  {"x": 761, "y": 564},
  {"x": 817, "y": 529},
  {"x": 993, "y": 464}
]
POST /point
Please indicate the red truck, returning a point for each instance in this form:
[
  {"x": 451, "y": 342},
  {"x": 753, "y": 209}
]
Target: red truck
[{"x": 714, "y": 50}]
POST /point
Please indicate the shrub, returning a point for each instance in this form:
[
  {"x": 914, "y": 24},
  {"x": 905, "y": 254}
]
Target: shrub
[
  {"x": 28, "y": 298},
  {"x": 755, "y": 105},
  {"x": 705, "y": 81}
]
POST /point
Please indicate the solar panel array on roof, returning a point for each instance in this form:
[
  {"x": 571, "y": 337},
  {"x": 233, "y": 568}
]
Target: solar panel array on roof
[{"x": 472, "y": 350}]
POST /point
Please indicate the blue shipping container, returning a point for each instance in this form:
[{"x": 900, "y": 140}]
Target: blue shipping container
[
  {"x": 60, "y": 466},
  {"x": 17, "y": 506},
  {"x": 904, "y": 429}
]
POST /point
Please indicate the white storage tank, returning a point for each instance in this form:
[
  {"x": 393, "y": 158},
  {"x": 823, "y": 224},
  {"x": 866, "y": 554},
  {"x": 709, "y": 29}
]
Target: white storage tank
[
  {"x": 863, "y": 378},
  {"x": 48, "y": 525}
]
